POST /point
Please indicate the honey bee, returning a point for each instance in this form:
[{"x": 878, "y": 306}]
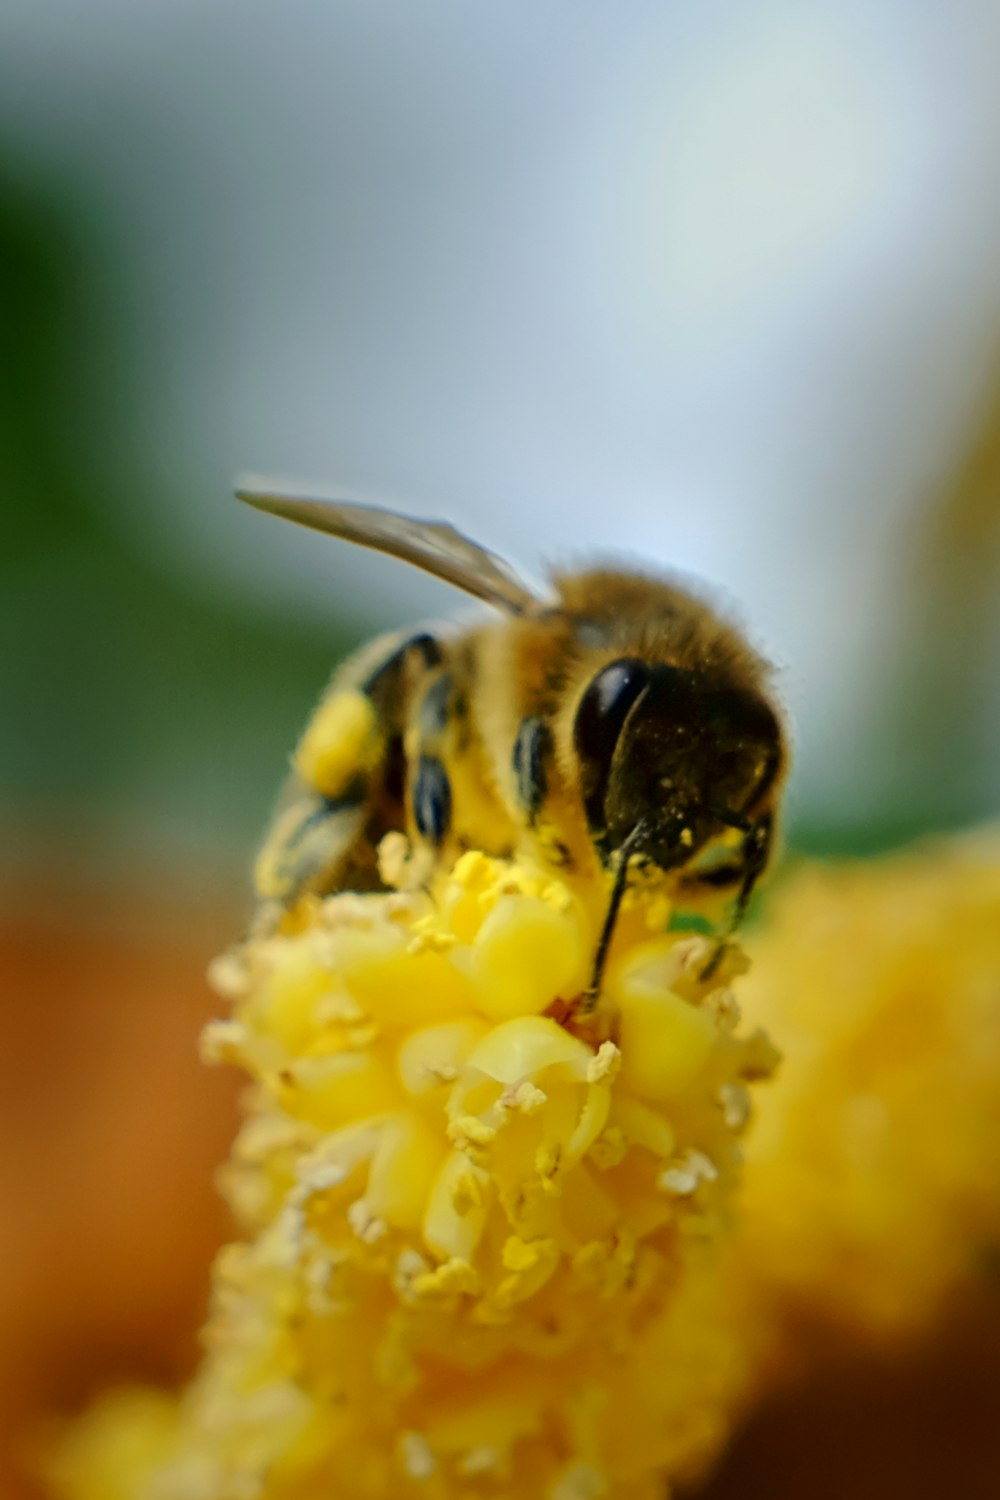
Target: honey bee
[{"x": 619, "y": 723}]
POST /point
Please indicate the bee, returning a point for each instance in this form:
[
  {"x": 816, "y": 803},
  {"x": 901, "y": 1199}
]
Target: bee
[{"x": 619, "y": 723}]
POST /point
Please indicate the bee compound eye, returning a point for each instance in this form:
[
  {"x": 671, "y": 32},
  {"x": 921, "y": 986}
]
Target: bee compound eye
[{"x": 605, "y": 706}]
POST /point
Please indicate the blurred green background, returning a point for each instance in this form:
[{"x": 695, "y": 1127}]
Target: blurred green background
[{"x": 143, "y": 711}]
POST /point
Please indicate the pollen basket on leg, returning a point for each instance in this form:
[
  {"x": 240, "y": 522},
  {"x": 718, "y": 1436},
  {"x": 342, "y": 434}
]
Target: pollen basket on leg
[{"x": 341, "y": 743}]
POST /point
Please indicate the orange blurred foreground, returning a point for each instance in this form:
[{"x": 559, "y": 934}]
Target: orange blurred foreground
[{"x": 110, "y": 1130}]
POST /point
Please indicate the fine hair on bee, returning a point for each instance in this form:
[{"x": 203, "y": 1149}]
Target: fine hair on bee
[{"x": 618, "y": 722}]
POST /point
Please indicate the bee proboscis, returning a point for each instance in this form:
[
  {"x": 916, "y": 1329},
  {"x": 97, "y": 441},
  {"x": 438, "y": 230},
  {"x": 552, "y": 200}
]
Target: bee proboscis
[{"x": 620, "y": 721}]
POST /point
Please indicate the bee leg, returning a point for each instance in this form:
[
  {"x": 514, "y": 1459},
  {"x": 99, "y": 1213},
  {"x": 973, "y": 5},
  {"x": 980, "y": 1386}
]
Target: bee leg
[
  {"x": 346, "y": 787},
  {"x": 309, "y": 837},
  {"x": 756, "y": 853},
  {"x": 593, "y": 990},
  {"x": 747, "y": 869}
]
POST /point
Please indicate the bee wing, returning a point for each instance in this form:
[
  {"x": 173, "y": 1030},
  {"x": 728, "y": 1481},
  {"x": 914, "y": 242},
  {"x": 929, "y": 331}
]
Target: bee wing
[{"x": 434, "y": 546}]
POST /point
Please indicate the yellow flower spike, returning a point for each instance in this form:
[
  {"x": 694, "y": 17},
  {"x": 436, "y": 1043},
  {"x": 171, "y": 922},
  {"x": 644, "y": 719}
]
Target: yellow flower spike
[
  {"x": 465, "y": 896},
  {"x": 593, "y": 1118},
  {"x": 291, "y": 996},
  {"x": 666, "y": 1041},
  {"x": 524, "y": 1048},
  {"x": 642, "y": 1126},
  {"x": 431, "y": 1057},
  {"x": 457, "y": 1206},
  {"x": 478, "y": 1236},
  {"x": 527, "y": 953},
  {"x": 331, "y": 1091},
  {"x": 478, "y": 1429},
  {"x": 405, "y": 1164},
  {"x": 389, "y": 982},
  {"x": 530, "y": 1263}
]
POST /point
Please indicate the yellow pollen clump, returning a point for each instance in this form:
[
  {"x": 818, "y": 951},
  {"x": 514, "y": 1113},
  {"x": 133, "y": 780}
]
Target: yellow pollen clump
[
  {"x": 340, "y": 743},
  {"x": 478, "y": 1215}
]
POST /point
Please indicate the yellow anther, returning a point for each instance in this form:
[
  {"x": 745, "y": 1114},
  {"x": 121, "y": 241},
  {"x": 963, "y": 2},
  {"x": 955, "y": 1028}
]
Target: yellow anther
[{"x": 606, "y": 1065}]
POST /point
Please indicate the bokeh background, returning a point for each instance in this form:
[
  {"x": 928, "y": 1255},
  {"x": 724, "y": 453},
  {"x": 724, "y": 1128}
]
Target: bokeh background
[{"x": 714, "y": 285}]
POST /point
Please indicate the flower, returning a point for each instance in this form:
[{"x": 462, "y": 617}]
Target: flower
[{"x": 479, "y": 1218}]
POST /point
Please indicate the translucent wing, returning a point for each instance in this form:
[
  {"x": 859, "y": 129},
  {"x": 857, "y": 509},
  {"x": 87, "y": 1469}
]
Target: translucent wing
[{"x": 432, "y": 545}]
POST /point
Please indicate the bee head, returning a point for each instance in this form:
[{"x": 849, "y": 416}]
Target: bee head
[{"x": 661, "y": 746}]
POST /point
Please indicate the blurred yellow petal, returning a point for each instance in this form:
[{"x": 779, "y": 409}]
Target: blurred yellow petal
[{"x": 873, "y": 1184}]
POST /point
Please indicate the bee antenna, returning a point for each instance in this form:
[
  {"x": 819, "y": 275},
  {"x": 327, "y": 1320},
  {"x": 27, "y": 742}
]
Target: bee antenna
[{"x": 611, "y": 917}]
